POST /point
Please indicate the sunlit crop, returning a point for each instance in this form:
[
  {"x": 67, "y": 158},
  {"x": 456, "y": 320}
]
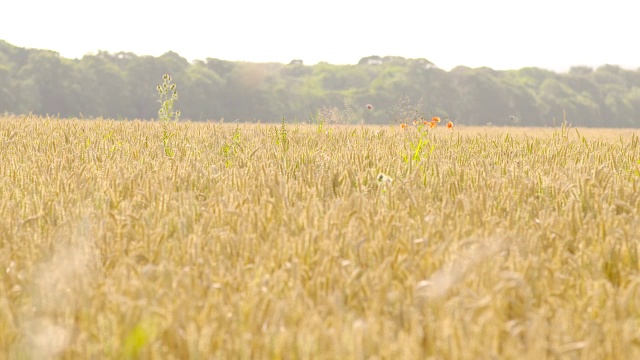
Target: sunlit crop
[{"x": 282, "y": 241}]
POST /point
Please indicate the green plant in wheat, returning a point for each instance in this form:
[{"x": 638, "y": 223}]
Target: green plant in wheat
[
  {"x": 168, "y": 93},
  {"x": 417, "y": 148},
  {"x": 230, "y": 148},
  {"x": 318, "y": 120},
  {"x": 281, "y": 137}
]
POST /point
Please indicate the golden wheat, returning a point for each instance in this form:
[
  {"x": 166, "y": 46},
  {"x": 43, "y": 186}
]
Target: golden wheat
[{"x": 261, "y": 241}]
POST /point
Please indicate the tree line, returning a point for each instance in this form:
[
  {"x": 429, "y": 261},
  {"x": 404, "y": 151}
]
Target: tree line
[{"x": 123, "y": 86}]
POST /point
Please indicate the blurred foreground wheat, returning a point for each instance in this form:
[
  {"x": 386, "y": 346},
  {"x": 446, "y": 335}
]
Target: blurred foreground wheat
[{"x": 281, "y": 242}]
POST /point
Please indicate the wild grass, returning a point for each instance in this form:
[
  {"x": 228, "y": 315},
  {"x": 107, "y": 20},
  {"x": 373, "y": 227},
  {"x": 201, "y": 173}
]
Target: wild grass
[{"x": 493, "y": 243}]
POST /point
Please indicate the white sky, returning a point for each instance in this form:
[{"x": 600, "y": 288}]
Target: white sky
[{"x": 501, "y": 34}]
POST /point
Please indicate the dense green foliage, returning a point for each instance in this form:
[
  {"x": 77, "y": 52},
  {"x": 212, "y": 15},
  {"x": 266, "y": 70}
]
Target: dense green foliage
[{"x": 122, "y": 85}]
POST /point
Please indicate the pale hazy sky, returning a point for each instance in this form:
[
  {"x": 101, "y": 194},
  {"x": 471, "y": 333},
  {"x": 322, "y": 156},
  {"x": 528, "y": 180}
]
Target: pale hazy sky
[{"x": 501, "y": 34}]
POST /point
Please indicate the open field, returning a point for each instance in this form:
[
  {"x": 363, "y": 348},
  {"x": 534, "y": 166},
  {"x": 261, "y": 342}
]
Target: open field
[{"x": 264, "y": 241}]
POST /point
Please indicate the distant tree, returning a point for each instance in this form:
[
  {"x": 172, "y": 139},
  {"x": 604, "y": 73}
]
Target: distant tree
[
  {"x": 484, "y": 97},
  {"x": 295, "y": 70},
  {"x": 108, "y": 88},
  {"x": 632, "y": 103},
  {"x": 55, "y": 81},
  {"x": 246, "y": 96},
  {"x": 122, "y": 85},
  {"x": 14, "y": 56},
  {"x": 7, "y": 98},
  {"x": 371, "y": 60},
  {"x": 220, "y": 67},
  {"x": 202, "y": 94},
  {"x": 580, "y": 70}
]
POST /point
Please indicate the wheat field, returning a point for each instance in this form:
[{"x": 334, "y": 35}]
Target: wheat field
[{"x": 308, "y": 242}]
